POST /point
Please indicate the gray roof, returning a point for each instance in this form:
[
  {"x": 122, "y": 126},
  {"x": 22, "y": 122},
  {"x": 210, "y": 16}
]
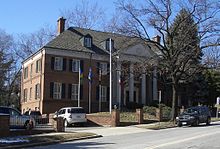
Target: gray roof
[{"x": 70, "y": 40}]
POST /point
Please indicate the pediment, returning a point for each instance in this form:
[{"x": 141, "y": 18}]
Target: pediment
[{"x": 139, "y": 50}]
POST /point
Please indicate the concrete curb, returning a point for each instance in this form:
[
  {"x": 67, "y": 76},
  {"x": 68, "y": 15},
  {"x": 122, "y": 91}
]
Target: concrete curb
[{"x": 49, "y": 142}]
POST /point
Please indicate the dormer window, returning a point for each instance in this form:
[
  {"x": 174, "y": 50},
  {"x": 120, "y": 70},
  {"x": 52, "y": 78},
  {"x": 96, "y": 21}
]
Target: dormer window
[
  {"x": 88, "y": 42},
  {"x": 107, "y": 44}
]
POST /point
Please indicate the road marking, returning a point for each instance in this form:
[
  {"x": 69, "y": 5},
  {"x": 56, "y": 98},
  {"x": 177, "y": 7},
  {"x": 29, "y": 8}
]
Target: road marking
[{"x": 182, "y": 140}]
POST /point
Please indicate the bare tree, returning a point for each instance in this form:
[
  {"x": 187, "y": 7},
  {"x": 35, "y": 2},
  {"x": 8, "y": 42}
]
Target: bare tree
[
  {"x": 28, "y": 44},
  {"x": 6, "y": 64},
  {"x": 159, "y": 15},
  {"x": 85, "y": 15}
]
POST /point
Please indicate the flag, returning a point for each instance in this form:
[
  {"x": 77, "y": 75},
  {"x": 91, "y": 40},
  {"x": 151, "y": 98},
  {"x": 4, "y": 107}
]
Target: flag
[
  {"x": 80, "y": 75},
  {"x": 90, "y": 75},
  {"x": 100, "y": 75}
]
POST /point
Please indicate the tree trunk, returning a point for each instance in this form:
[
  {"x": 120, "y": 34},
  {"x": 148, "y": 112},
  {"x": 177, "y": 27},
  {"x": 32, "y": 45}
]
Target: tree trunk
[{"x": 173, "y": 112}]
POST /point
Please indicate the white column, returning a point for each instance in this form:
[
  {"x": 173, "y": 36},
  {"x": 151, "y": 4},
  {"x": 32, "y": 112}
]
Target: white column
[
  {"x": 118, "y": 92},
  {"x": 131, "y": 83},
  {"x": 143, "y": 87},
  {"x": 155, "y": 90}
]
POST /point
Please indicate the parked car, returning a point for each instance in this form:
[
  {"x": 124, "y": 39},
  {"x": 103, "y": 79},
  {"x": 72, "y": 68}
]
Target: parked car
[
  {"x": 17, "y": 120},
  {"x": 194, "y": 116},
  {"x": 72, "y": 115},
  {"x": 36, "y": 115}
]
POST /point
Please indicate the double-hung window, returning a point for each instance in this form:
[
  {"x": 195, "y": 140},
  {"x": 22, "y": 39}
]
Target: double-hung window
[
  {"x": 103, "y": 93},
  {"x": 88, "y": 42},
  {"x": 57, "y": 90},
  {"x": 104, "y": 68},
  {"x": 25, "y": 95},
  {"x": 26, "y": 73},
  {"x": 38, "y": 65},
  {"x": 37, "y": 91},
  {"x": 75, "y": 65},
  {"x": 74, "y": 92},
  {"x": 58, "y": 63},
  {"x": 30, "y": 94}
]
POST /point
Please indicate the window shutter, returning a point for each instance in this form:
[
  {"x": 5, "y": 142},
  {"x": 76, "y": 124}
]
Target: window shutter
[
  {"x": 97, "y": 92},
  {"x": 69, "y": 90},
  {"x": 70, "y": 65},
  {"x": 51, "y": 89},
  {"x": 108, "y": 93},
  {"x": 108, "y": 68},
  {"x": 64, "y": 64},
  {"x": 98, "y": 67},
  {"x": 81, "y": 92},
  {"x": 81, "y": 65},
  {"x": 63, "y": 90},
  {"x": 52, "y": 63}
]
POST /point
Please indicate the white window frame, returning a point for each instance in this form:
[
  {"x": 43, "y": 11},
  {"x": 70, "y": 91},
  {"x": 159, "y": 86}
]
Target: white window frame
[
  {"x": 30, "y": 93},
  {"x": 75, "y": 65},
  {"x": 25, "y": 72},
  {"x": 88, "y": 42},
  {"x": 107, "y": 47},
  {"x": 74, "y": 91},
  {"x": 25, "y": 94},
  {"x": 104, "y": 68},
  {"x": 37, "y": 91},
  {"x": 58, "y": 63},
  {"x": 103, "y": 93},
  {"x": 57, "y": 90},
  {"x": 31, "y": 71},
  {"x": 38, "y": 65}
]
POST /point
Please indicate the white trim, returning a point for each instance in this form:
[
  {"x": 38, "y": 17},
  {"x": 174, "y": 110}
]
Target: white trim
[{"x": 33, "y": 59}]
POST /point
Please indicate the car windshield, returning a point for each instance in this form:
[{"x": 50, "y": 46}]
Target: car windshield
[
  {"x": 191, "y": 110},
  {"x": 77, "y": 110}
]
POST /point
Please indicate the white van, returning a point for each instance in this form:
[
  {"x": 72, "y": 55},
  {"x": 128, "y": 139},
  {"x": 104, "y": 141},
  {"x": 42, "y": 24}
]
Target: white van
[{"x": 72, "y": 115}]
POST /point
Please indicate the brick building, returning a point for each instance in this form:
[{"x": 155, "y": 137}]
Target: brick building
[{"x": 50, "y": 77}]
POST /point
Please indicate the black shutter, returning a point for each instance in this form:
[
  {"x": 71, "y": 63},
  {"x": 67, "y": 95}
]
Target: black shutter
[
  {"x": 108, "y": 93},
  {"x": 69, "y": 90},
  {"x": 108, "y": 68},
  {"x": 70, "y": 65},
  {"x": 81, "y": 92},
  {"x": 81, "y": 65},
  {"x": 97, "y": 92},
  {"x": 63, "y": 90},
  {"x": 51, "y": 89},
  {"x": 64, "y": 64},
  {"x": 98, "y": 67},
  {"x": 52, "y": 63}
]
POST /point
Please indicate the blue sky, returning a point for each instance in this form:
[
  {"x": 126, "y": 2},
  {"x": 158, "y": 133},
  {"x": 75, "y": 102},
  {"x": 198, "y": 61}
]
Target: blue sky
[{"x": 27, "y": 16}]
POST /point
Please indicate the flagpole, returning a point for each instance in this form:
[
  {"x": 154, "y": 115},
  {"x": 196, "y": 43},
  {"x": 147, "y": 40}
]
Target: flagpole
[
  {"x": 90, "y": 82},
  {"x": 110, "y": 75},
  {"x": 79, "y": 89},
  {"x": 100, "y": 102}
]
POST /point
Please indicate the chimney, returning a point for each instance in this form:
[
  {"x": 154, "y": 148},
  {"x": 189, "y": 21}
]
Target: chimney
[
  {"x": 60, "y": 25},
  {"x": 157, "y": 39}
]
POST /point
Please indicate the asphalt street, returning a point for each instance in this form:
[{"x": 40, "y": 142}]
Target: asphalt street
[{"x": 200, "y": 137}]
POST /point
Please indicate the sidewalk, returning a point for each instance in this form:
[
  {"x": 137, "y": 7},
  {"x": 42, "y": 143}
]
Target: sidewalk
[
  {"x": 43, "y": 139},
  {"x": 111, "y": 131}
]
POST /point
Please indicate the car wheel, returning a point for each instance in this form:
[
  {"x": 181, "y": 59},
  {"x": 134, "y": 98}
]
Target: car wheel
[
  {"x": 66, "y": 124},
  {"x": 196, "y": 123},
  {"x": 208, "y": 121},
  {"x": 28, "y": 125},
  {"x": 179, "y": 124}
]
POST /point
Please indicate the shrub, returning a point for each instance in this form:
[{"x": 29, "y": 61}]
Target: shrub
[
  {"x": 166, "y": 111},
  {"x": 149, "y": 110}
]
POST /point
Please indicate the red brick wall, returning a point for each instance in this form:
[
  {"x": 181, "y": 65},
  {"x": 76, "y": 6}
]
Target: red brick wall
[{"x": 99, "y": 120}]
